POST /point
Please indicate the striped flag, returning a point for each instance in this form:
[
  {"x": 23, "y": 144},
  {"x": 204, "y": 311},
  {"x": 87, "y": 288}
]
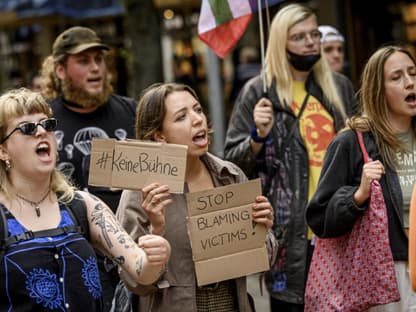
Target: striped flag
[{"x": 223, "y": 22}]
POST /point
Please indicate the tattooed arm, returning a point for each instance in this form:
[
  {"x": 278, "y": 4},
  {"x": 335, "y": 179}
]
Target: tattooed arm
[{"x": 144, "y": 262}]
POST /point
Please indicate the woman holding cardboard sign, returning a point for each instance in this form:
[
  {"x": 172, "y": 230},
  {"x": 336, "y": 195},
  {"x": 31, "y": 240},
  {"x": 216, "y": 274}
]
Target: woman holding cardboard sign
[{"x": 172, "y": 113}]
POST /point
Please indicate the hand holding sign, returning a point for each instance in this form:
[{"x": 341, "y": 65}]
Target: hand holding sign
[
  {"x": 263, "y": 212},
  {"x": 156, "y": 198}
]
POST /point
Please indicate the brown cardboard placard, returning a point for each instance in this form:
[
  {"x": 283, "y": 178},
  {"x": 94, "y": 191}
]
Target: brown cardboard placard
[
  {"x": 230, "y": 266},
  {"x": 226, "y": 243},
  {"x": 134, "y": 164}
]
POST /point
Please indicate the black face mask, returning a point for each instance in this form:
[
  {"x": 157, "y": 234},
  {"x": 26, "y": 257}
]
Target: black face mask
[{"x": 303, "y": 62}]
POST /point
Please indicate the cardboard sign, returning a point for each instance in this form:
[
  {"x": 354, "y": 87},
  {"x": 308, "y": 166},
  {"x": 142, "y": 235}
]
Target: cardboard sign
[
  {"x": 134, "y": 164},
  {"x": 226, "y": 243}
]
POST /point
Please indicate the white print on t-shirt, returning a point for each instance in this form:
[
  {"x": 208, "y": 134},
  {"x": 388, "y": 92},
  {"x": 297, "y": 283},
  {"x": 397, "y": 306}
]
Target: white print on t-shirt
[
  {"x": 406, "y": 168},
  {"x": 82, "y": 142},
  {"x": 406, "y": 159},
  {"x": 83, "y": 138}
]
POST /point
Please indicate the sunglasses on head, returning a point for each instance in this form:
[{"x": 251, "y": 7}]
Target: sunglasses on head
[{"x": 30, "y": 128}]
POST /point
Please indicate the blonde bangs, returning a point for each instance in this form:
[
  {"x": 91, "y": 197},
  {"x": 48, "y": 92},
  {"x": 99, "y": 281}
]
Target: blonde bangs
[
  {"x": 277, "y": 64},
  {"x": 19, "y": 102}
]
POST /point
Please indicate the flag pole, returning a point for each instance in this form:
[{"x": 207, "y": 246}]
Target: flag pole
[{"x": 263, "y": 72}]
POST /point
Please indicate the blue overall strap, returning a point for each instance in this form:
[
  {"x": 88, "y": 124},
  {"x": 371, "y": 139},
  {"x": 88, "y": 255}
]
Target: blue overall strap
[
  {"x": 78, "y": 211},
  {"x": 28, "y": 235},
  {"x": 3, "y": 232}
]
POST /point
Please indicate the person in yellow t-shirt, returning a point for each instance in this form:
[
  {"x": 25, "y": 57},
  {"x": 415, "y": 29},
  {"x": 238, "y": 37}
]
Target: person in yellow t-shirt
[{"x": 272, "y": 135}]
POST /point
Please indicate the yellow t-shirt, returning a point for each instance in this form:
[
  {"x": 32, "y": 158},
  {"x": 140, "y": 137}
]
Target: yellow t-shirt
[{"x": 316, "y": 126}]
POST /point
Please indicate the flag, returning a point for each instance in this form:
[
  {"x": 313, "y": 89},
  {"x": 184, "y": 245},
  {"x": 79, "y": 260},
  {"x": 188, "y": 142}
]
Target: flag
[{"x": 222, "y": 22}]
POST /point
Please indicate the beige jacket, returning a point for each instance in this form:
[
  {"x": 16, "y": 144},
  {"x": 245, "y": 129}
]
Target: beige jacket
[{"x": 176, "y": 291}]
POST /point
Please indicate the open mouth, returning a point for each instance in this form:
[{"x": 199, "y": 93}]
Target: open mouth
[
  {"x": 411, "y": 97},
  {"x": 200, "y": 137},
  {"x": 94, "y": 80},
  {"x": 43, "y": 149}
]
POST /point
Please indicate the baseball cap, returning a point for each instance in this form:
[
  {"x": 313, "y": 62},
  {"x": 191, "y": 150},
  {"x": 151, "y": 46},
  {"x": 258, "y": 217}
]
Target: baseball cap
[
  {"x": 330, "y": 34},
  {"x": 75, "y": 40}
]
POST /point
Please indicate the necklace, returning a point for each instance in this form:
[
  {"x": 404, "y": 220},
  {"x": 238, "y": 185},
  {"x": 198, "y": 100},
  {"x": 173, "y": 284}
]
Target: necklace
[{"x": 33, "y": 203}]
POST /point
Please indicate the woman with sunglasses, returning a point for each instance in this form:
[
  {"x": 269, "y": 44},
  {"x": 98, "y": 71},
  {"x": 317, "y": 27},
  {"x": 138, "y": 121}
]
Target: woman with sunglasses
[{"x": 49, "y": 266}]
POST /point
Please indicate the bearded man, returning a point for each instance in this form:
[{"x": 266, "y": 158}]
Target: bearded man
[{"x": 76, "y": 82}]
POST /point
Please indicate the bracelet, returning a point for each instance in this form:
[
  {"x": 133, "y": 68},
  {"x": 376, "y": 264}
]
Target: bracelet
[{"x": 255, "y": 137}]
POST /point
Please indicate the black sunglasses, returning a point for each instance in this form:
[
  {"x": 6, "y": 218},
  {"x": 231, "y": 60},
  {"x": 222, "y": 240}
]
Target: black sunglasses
[{"x": 30, "y": 128}]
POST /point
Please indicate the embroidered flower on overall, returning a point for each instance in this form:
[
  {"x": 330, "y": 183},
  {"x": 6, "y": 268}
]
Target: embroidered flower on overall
[
  {"x": 44, "y": 287},
  {"x": 91, "y": 277}
]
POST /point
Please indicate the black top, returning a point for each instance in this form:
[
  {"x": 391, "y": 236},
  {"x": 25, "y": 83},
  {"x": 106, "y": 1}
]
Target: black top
[
  {"x": 75, "y": 132},
  {"x": 332, "y": 211},
  {"x": 51, "y": 273}
]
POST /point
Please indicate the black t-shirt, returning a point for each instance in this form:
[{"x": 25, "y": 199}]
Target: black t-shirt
[{"x": 74, "y": 134}]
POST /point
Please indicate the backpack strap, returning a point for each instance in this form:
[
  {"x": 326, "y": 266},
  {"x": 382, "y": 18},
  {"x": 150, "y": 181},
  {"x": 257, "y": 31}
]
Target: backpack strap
[
  {"x": 78, "y": 212},
  {"x": 76, "y": 209},
  {"x": 3, "y": 232},
  {"x": 28, "y": 235}
]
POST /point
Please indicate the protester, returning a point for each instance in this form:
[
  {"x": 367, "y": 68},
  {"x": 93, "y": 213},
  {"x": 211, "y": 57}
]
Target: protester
[
  {"x": 50, "y": 266},
  {"x": 333, "y": 47},
  {"x": 172, "y": 113},
  {"x": 266, "y": 139},
  {"x": 388, "y": 99},
  {"x": 76, "y": 80}
]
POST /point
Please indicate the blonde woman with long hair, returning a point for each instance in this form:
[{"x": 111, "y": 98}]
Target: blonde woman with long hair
[{"x": 281, "y": 137}]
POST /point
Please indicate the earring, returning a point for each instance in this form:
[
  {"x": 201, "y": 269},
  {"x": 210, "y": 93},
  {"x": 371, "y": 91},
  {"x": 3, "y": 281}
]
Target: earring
[{"x": 8, "y": 164}]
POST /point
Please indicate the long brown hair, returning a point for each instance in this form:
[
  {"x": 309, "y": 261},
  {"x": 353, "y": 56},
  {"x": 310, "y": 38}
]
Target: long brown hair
[{"x": 375, "y": 113}]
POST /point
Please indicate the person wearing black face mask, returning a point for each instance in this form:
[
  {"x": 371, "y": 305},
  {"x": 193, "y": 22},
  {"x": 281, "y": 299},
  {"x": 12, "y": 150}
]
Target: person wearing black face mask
[
  {"x": 282, "y": 138},
  {"x": 303, "y": 62}
]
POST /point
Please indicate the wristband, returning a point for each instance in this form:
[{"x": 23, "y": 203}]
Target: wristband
[{"x": 255, "y": 137}]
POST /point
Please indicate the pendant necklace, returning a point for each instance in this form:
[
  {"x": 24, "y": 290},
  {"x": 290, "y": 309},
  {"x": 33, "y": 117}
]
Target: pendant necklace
[{"x": 33, "y": 203}]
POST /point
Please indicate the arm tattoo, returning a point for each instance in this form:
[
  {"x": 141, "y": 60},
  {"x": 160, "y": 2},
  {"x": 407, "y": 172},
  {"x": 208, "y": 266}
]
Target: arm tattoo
[
  {"x": 120, "y": 260},
  {"x": 108, "y": 224},
  {"x": 139, "y": 265},
  {"x": 99, "y": 219}
]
